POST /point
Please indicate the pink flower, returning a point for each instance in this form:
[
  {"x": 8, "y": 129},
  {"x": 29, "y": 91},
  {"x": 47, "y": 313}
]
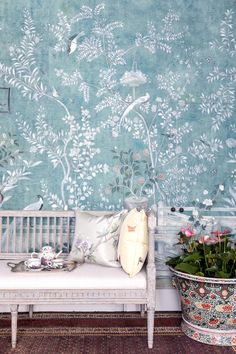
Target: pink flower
[
  {"x": 141, "y": 180},
  {"x": 188, "y": 231},
  {"x": 217, "y": 233},
  {"x": 208, "y": 240},
  {"x": 226, "y": 231}
]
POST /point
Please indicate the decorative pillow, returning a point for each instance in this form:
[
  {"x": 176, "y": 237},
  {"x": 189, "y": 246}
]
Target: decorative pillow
[
  {"x": 96, "y": 238},
  {"x": 133, "y": 242}
]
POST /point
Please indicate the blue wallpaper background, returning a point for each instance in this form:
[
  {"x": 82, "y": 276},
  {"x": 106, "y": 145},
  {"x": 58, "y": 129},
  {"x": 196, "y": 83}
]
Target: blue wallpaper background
[{"x": 116, "y": 99}]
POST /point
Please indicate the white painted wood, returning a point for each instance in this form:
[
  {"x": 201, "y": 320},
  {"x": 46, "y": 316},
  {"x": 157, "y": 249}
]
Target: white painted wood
[
  {"x": 166, "y": 300},
  {"x": 22, "y": 235},
  {"x": 14, "y": 312}
]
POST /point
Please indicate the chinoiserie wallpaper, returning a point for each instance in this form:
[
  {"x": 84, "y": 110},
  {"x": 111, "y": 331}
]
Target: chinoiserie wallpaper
[{"x": 100, "y": 100}]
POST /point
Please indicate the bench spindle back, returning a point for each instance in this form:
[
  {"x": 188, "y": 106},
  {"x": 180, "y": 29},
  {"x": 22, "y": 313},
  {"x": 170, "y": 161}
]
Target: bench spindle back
[{"x": 23, "y": 232}]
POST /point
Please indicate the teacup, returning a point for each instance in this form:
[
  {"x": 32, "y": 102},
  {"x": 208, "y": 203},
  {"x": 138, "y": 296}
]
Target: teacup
[
  {"x": 33, "y": 262},
  {"x": 57, "y": 263},
  {"x": 53, "y": 263}
]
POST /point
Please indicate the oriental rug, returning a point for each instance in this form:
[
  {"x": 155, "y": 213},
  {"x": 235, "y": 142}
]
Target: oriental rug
[{"x": 99, "y": 333}]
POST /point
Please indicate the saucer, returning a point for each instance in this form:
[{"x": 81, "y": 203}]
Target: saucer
[{"x": 34, "y": 269}]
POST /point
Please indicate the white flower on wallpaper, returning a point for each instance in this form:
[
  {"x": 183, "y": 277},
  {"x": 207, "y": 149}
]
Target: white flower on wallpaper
[
  {"x": 226, "y": 42},
  {"x": 73, "y": 79},
  {"x": 63, "y": 29},
  {"x": 204, "y": 148},
  {"x": 102, "y": 86},
  {"x": 71, "y": 150},
  {"x": 220, "y": 103},
  {"x": 107, "y": 81},
  {"x": 154, "y": 39},
  {"x": 13, "y": 168},
  {"x": 24, "y": 74},
  {"x": 101, "y": 43},
  {"x": 90, "y": 49}
]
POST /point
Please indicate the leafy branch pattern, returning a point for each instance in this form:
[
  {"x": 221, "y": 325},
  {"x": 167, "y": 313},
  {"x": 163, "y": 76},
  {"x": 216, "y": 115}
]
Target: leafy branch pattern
[
  {"x": 103, "y": 88},
  {"x": 13, "y": 167},
  {"x": 161, "y": 40},
  {"x": 23, "y": 74}
]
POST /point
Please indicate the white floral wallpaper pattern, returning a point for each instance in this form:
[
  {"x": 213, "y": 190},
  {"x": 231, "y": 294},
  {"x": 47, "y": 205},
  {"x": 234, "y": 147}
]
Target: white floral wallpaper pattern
[{"x": 112, "y": 99}]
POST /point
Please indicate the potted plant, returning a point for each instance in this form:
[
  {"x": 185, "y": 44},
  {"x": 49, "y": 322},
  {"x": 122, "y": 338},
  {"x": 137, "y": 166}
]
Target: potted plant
[{"x": 205, "y": 276}]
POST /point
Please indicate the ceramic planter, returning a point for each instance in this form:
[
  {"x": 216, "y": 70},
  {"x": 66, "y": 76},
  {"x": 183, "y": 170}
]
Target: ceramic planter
[{"x": 208, "y": 308}]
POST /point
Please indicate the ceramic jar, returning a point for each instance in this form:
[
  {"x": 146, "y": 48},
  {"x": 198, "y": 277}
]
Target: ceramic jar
[{"x": 208, "y": 308}]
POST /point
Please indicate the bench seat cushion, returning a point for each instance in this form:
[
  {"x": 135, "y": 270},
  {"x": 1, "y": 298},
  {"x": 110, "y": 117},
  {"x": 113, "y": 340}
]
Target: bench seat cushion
[{"x": 85, "y": 276}]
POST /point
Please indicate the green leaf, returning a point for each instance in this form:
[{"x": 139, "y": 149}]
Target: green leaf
[
  {"x": 173, "y": 261},
  {"x": 211, "y": 269},
  {"x": 193, "y": 257},
  {"x": 200, "y": 274},
  {"x": 222, "y": 274},
  {"x": 187, "y": 268}
]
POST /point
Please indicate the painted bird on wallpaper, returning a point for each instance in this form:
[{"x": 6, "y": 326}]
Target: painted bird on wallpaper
[
  {"x": 137, "y": 102},
  {"x": 72, "y": 44},
  {"x": 37, "y": 205},
  {"x": 55, "y": 92}
]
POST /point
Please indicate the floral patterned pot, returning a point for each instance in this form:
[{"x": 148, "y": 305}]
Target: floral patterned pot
[{"x": 208, "y": 308}]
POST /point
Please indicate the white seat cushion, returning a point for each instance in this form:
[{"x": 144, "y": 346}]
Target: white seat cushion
[{"x": 85, "y": 276}]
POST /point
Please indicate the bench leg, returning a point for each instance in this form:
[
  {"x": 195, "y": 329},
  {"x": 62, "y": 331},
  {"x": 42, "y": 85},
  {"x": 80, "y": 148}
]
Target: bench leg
[
  {"x": 31, "y": 307},
  {"x": 150, "y": 326},
  {"x": 14, "y": 313},
  {"x": 142, "y": 309}
]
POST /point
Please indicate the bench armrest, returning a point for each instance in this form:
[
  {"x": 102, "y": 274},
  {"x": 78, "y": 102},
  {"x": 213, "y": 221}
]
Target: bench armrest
[
  {"x": 151, "y": 237},
  {"x": 151, "y": 267}
]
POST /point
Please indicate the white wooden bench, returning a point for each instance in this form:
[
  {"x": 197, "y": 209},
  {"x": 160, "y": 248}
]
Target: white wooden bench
[{"x": 23, "y": 232}]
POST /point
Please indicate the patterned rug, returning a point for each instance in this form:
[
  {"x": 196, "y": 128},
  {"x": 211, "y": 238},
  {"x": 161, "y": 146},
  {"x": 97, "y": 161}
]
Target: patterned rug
[{"x": 99, "y": 333}]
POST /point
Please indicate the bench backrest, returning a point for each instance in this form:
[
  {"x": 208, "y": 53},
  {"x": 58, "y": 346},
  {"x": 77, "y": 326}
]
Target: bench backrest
[{"x": 23, "y": 232}]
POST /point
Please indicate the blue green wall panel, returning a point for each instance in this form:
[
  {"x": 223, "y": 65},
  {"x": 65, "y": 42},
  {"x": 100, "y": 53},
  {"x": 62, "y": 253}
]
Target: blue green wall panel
[{"x": 112, "y": 99}]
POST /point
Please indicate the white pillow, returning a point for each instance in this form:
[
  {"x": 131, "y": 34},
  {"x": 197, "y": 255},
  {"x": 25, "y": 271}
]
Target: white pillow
[
  {"x": 133, "y": 242},
  {"x": 96, "y": 238}
]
